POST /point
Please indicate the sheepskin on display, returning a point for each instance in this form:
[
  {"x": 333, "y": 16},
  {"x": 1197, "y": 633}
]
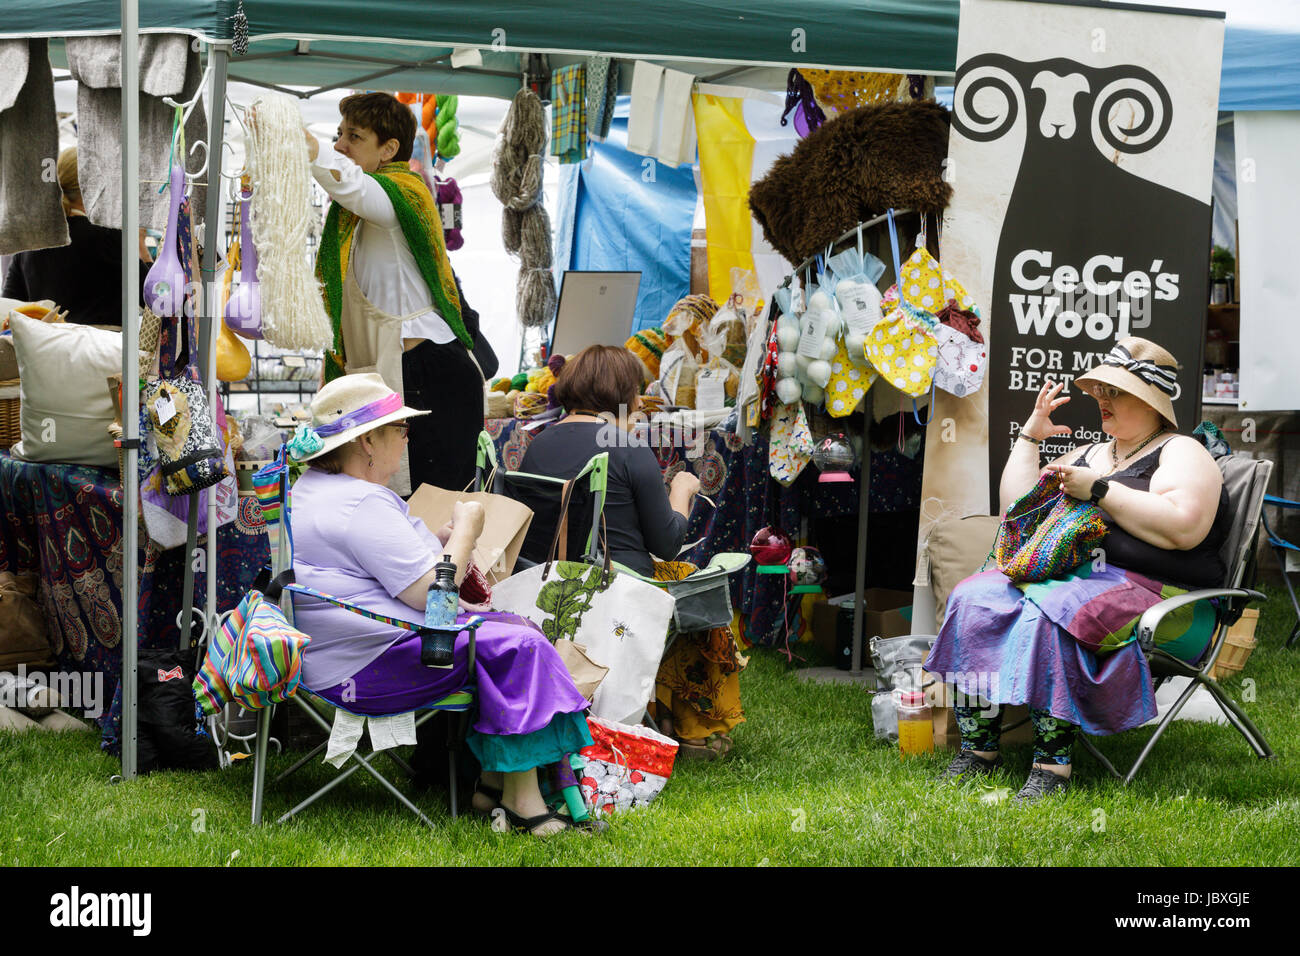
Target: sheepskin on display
[{"x": 852, "y": 168}]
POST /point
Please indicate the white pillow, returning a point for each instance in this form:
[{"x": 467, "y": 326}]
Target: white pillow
[{"x": 66, "y": 406}]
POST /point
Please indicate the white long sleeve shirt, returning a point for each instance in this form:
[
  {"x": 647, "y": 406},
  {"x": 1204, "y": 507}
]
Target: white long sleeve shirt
[{"x": 381, "y": 260}]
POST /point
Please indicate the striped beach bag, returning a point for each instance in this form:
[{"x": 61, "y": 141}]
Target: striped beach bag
[
  {"x": 255, "y": 659},
  {"x": 271, "y": 484}
]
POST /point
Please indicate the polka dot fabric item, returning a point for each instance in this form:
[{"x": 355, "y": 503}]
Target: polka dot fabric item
[
  {"x": 904, "y": 350},
  {"x": 849, "y": 382},
  {"x": 927, "y": 287}
]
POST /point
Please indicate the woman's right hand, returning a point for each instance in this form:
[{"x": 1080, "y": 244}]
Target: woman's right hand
[
  {"x": 467, "y": 518},
  {"x": 685, "y": 483},
  {"x": 1039, "y": 423}
]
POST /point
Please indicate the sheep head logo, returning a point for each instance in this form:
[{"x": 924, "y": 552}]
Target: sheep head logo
[{"x": 1124, "y": 108}]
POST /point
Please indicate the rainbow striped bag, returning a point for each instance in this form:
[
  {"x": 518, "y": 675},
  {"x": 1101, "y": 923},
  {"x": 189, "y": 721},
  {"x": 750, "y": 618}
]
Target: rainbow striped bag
[
  {"x": 255, "y": 659},
  {"x": 1046, "y": 533}
]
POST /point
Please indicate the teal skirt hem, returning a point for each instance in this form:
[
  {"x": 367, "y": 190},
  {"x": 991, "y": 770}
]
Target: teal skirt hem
[{"x": 513, "y": 753}]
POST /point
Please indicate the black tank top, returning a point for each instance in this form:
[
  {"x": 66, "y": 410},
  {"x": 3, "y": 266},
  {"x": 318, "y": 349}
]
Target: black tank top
[{"x": 1196, "y": 567}]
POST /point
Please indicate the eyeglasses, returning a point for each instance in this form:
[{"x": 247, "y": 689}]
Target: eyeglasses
[
  {"x": 403, "y": 427},
  {"x": 1108, "y": 392}
]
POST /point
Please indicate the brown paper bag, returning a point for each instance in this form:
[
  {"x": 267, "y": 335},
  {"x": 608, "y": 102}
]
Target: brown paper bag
[
  {"x": 586, "y": 673},
  {"x": 504, "y": 529},
  {"x": 22, "y": 624}
]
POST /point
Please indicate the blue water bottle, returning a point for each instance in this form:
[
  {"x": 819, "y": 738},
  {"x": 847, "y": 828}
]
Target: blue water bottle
[{"x": 440, "y": 609}]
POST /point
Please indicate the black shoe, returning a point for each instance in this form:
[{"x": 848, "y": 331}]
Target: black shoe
[
  {"x": 1041, "y": 783},
  {"x": 968, "y": 765}
]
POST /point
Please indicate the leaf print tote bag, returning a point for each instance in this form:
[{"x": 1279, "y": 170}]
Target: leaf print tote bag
[{"x": 621, "y": 621}]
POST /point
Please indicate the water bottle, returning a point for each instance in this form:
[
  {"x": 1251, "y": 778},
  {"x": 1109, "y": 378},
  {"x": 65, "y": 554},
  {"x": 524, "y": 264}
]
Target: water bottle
[
  {"x": 440, "y": 609},
  {"x": 915, "y": 731}
]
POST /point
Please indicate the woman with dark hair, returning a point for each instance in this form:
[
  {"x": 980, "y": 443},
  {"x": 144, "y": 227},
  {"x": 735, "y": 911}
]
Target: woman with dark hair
[
  {"x": 698, "y": 690},
  {"x": 390, "y": 290}
]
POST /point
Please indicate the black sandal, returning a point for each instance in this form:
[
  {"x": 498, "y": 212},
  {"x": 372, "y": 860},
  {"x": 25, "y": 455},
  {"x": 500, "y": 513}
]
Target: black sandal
[
  {"x": 492, "y": 793},
  {"x": 529, "y": 824}
]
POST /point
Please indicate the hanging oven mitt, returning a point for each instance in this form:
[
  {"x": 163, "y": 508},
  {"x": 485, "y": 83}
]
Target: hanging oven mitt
[
  {"x": 963, "y": 356},
  {"x": 902, "y": 346},
  {"x": 925, "y": 284},
  {"x": 791, "y": 445}
]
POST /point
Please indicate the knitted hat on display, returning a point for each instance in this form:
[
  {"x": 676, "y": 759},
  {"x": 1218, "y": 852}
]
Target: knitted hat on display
[{"x": 648, "y": 346}]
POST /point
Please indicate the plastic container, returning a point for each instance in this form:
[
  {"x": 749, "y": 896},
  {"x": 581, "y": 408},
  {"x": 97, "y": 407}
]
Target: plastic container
[{"x": 915, "y": 731}]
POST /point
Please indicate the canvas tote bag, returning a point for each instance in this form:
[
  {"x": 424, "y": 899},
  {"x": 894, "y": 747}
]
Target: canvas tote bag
[{"x": 621, "y": 621}]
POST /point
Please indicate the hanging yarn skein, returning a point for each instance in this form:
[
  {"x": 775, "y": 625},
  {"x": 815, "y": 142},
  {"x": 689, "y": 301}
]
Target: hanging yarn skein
[
  {"x": 293, "y": 312},
  {"x": 525, "y": 226}
]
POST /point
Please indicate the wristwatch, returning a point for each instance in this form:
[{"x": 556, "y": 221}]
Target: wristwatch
[{"x": 1099, "y": 489}]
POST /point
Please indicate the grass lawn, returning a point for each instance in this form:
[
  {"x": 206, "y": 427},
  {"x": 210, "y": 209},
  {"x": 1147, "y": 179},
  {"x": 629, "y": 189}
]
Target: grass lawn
[{"x": 806, "y": 784}]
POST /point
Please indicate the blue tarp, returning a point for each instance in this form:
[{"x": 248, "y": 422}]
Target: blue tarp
[{"x": 635, "y": 214}]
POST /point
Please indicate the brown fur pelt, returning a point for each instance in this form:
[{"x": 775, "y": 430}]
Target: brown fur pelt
[{"x": 852, "y": 168}]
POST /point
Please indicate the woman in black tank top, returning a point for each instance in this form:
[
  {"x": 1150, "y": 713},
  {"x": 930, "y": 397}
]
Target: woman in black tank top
[{"x": 1167, "y": 515}]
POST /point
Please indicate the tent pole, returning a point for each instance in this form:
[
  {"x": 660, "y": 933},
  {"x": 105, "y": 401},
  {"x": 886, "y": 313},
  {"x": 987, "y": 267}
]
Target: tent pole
[
  {"x": 219, "y": 60},
  {"x": 130, "y": 377},
  {"x": 864, "y": 505}
]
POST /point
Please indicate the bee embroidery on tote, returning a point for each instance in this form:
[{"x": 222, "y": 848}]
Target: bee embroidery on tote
[{"x": 620, "y": 630}]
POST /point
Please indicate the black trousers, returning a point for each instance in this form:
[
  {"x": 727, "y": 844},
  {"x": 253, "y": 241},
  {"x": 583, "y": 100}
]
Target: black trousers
[{"x": 444, "y": 380}]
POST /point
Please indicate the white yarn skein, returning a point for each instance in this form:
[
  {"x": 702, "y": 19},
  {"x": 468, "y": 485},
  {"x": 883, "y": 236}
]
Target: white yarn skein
[{"x": 293, "y": 312}]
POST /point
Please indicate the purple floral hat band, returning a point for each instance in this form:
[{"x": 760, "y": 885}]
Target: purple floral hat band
[{"x": 309, "y": 439}]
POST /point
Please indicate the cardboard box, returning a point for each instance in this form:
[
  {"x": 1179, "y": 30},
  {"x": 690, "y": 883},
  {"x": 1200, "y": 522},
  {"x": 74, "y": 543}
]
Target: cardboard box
[
  {"x": 1017, "y": 728},
  {"x": 886, "y": 613}
]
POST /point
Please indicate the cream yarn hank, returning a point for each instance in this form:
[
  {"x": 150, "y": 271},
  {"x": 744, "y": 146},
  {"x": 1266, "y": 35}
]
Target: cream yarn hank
[{"x": 293, "y": 311}]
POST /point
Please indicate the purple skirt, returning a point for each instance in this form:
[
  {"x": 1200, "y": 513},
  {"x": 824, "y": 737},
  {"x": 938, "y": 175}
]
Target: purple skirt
[
  {"x": 998, "y": 645},
  {"x": 522, "y": 682}
]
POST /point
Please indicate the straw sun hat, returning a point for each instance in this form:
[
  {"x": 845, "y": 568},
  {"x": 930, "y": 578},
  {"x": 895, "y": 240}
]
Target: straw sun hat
[
  {"x": 1144, "y": 370},
  {"x": 345, "y": 409}
]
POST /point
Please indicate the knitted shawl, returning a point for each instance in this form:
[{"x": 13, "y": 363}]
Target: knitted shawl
[{"x": 422, "y": 228}]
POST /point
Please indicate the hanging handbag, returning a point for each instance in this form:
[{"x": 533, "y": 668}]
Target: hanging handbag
[
  {"x": 790, "y": 446},
  {"x": 963, "y": 358},
  {"x": 1046, "y": 533},
  {"x": 254, "y": 659},
  {"x": 620, "y": 620}
]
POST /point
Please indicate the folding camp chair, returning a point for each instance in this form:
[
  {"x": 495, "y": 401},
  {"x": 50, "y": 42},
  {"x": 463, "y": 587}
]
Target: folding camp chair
[
  {"x": 1245, "y": 480},
  {"x": 543, "y": 493},
  {"x": 702, "y": 600},
  {"x": 272, "y": 484},
  {"x": 1280, "y": 547}
]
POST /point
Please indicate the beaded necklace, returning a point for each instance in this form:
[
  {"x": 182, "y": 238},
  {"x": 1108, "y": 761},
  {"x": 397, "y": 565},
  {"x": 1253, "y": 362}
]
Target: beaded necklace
[{"x": 1114, "y": 453}]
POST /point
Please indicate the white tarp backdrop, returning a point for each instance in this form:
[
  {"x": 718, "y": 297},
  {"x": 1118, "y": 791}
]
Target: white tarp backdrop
[{"x": 1268, "y": 207}]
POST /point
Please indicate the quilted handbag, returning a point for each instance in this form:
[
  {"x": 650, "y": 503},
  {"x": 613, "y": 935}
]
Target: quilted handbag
[
  {"x": 902, "y": 345},
  {"x": 1046, "y": 534},
  {"x": 255, "y": 658}
]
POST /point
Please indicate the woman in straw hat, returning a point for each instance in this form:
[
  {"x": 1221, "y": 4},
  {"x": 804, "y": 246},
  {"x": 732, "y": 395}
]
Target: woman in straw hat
[
  {"x": 1167, "y": 516},
  {"x": 355, "y": 539}
]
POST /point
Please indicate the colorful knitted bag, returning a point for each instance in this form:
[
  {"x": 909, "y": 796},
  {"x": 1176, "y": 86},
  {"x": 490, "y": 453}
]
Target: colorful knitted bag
[{"x": 1047, "y": 533}]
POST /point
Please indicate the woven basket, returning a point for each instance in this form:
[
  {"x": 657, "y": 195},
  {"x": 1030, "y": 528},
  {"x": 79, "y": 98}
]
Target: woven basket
[
  {"x": 1237, "y": 646},
  {"x": 11, "y": 426}
]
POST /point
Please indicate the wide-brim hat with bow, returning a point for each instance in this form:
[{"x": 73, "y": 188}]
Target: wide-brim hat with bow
[
  {"x": 345, "y": 409},
  {"x": 1144, "y": 370}
]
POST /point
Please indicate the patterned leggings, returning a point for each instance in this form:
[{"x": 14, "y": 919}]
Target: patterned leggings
[{"x": 1053, "y": 737}]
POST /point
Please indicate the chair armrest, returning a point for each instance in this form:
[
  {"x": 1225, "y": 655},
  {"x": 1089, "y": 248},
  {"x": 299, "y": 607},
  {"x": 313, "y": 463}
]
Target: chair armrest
[
  {"x": 1152, "y": 616},
  {"x": 1281, "y": 502}
]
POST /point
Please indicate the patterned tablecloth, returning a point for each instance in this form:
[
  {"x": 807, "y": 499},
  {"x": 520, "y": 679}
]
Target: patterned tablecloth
[
  {"x": 64, "y": 522},
  {"x": 736, "y": 477}
]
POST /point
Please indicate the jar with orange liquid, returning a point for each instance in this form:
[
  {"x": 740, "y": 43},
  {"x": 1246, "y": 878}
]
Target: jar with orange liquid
[{"x": 915, "y": 731}]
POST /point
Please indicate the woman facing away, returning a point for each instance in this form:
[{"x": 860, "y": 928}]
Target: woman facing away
[
  {"x": 698, "y": 687},
  {"x": 1167, "y": 517},
  {"x": 390, "y": 290},
  {"x": 355, "y": 539}
]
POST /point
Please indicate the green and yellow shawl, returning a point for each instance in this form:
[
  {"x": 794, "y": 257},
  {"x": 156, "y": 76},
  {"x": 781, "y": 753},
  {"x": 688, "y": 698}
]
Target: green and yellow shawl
[{"x": 421, "y": 226}]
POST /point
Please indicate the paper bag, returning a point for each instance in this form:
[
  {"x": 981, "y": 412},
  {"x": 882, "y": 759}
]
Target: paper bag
[
  {"x": 586, "y": 673},
  {"x": 504, "y": 529}
]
